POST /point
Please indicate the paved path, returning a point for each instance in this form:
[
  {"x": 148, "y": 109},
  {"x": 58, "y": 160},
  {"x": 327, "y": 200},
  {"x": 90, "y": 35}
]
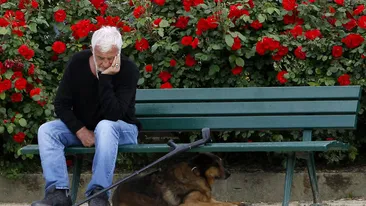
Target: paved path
[{"x": 355, "y": 202}]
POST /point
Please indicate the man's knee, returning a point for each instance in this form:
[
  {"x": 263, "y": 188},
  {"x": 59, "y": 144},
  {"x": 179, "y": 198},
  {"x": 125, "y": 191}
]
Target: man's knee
[{"x": 48, "y": 131}]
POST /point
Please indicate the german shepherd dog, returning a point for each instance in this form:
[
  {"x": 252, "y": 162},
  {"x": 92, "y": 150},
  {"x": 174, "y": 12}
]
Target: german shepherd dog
[{"x": 188, "y": 183}]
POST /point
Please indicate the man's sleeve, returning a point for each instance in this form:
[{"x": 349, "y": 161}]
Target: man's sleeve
[
  {"x": 115, "y": 99},
  {"x": 63, "y": 101}
]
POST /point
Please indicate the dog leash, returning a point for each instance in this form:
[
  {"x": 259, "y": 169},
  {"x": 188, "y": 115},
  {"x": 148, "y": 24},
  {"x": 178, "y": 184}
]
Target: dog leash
[{"x": 175, "y": 149}]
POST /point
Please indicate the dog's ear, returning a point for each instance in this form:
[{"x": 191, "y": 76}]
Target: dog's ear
[{"x": 202, "y": 161}]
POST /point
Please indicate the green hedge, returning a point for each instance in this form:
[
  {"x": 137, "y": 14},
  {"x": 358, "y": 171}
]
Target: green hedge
[{"x": 188, "y": 43}]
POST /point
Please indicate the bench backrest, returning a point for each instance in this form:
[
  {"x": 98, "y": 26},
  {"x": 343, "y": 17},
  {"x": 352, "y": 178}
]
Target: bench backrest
[{"x": 254, "y": 108}]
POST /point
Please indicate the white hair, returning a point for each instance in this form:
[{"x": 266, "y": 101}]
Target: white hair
[{"x": 106, "y": 38}]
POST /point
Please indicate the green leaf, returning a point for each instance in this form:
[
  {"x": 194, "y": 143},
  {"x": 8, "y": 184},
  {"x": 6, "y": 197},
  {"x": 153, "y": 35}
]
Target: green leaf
[
  {"x": 232, "y": 58},
  {"x": 2, "y": 96},
  {"x": 48, "y": 48},
  {"x": 47, "y": 112},
  {"x": 239, "y": 61},
  {"x": 33, "y": 27},
  {"x": 338, "y": 23},
  {"x": 313, "y": 84},
  {"x": 216, "y": 47},
  {"x": 333, "y": 69},
  {"x": 270, "y": 10},
  {"x": 2, "y": 129},
  {"x": 261, "y": 18},
  {"x": 213, "y": 69},
  {"x": 141, "y": 81},
  {"x": 23, "y": 122},
  {"x": 4, "y": 30},
  {"x": 161, "y": 32},
  {"x": 164, "y": 23},
  {"x": 154, "y": 47},
  {"x": 229, "y": 40},
  {"x": 26, "y": 109},
  {"x": 10, "y": 129}
]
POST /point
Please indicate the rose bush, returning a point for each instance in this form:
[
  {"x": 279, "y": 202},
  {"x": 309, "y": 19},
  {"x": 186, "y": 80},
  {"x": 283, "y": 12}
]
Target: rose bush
[{"x": 189, "y": 43}]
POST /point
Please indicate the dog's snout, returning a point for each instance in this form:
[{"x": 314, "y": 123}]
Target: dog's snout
[{"x": 227, "y": 174}]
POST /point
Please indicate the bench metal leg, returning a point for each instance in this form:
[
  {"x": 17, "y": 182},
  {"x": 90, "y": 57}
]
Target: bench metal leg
[
  {"x": 313, "y": 178},
  {"x": 290, "y": 166},
  {"x": 76, "y": 177}
]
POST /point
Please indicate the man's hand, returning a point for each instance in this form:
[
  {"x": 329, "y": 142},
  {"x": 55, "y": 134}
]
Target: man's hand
[
  {"x": 86, "y": 137},
  {"x": 115, "y": 67}
]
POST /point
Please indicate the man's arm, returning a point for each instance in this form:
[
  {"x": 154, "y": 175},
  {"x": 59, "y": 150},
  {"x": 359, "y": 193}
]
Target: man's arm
[
  {"x": 63, "y": 101},
  {"x": 115, "y": 99}
]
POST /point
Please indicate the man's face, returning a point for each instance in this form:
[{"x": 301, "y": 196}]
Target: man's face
[{"x": 103, "y": 60}]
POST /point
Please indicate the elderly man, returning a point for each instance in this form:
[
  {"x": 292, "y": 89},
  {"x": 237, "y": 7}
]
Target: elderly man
[{"x": 95, "y": 104}]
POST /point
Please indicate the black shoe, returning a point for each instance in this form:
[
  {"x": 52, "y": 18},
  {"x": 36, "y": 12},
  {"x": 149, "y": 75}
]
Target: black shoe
[
  {"x": 55, "y": 197},
  {"x": 100, "y": 200}
]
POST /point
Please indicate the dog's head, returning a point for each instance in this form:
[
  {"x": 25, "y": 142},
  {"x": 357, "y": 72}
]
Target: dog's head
[{"x": 209, "y": 166}]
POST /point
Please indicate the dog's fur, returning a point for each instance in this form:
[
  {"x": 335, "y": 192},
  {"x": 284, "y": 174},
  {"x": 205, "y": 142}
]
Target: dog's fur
[{"x": 188, "y": 183}]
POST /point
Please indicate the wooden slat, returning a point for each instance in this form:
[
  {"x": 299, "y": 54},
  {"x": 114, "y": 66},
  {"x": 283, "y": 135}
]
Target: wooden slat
[
  {"x": 214, "y": 147},
  {"x": 249, "y": 122},
  {"x": 249, "y": 93},
  {"x": 247, "y": 108}
]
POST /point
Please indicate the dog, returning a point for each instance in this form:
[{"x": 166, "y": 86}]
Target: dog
[{"x": 188, "y": 183}]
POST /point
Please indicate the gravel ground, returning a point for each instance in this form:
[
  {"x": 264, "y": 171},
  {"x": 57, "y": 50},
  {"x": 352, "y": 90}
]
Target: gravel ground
[{"x": 342, "y": 202}]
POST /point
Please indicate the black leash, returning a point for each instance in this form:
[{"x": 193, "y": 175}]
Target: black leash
[{"x": 175, "y": 149}]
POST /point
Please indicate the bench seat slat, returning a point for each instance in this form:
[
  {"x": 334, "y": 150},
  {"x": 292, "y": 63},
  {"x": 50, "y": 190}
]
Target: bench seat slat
[
  {"x": 247, "y": 108},
  {"x": 248, "y": 122},
  {"x": 248, "y": 93},
  {"x": 215, "y": 147}
]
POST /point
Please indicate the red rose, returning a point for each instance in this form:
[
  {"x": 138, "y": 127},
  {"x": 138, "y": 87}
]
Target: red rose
[
  {"x": 3, "y": 69},
  {"x": 20, "y": 83},
  {"x": 166, "y": 85},
  {"x": 362, "y": 22},
  {"x": 3, "y": 22},
  {"x": 35, "y": 91},
  {"x": 59, "y": 15},
  {"x": 350, "y": 24},
  {"x": 339, "y": 2},
  {"x": 59, "y": 47},
  {"x": 289, "y": 5},
  {"x": 17, "y": 75},
  {"x": 312, "y": 34},
  {"x": 237, "y": 44},
  {"x": 34, "y": 4},
  {"x": 82, "y": 28},
  {"x": 329, "y": 139},
  {"x": 31, "y": 69},
  {"x": 195, "y": 43},
  {"x": 165, "y": 76},
  {"x": 142, "y": 45},
  {"x": 299, "y": 53},
  {"x": 26, "y": 52},
  {"x": 148, "y": 68},
  {"x": 337, "y": 51},
  {"x": 138, "y": 11},
  {"x": 359, "y": 9},
  {"x": 281, "y": 77},
  {"x": 344, "y": 80},
  {"x": 353, "y": 40},
  {"x": 256, "y": 25},
  {"x": 187, "y": 40},
  {"x": 156, "y": 22},
  {"x": 5, "y": 85},
  {"x": 19, "y": 137},
  {"x": 182, "y": 22},
  {"x": 159, "y": 2},
  {"x": 173, "y": 63},
  {"x": 190, "y": 61},
  {"x": 16, "y": 97},
  {"x": 237, "y": 70}
]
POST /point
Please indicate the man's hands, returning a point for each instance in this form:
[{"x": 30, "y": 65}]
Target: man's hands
[
  {"x": 115, "y": 67},
  {"x": 86, "y": 137}
]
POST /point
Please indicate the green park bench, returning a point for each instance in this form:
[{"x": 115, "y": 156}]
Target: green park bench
[{"x": 301, "y": 108}]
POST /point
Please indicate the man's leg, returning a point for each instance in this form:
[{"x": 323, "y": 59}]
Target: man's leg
[
  {"x": 53, "y": 137},
  {"x": 108, "y": 135}
]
